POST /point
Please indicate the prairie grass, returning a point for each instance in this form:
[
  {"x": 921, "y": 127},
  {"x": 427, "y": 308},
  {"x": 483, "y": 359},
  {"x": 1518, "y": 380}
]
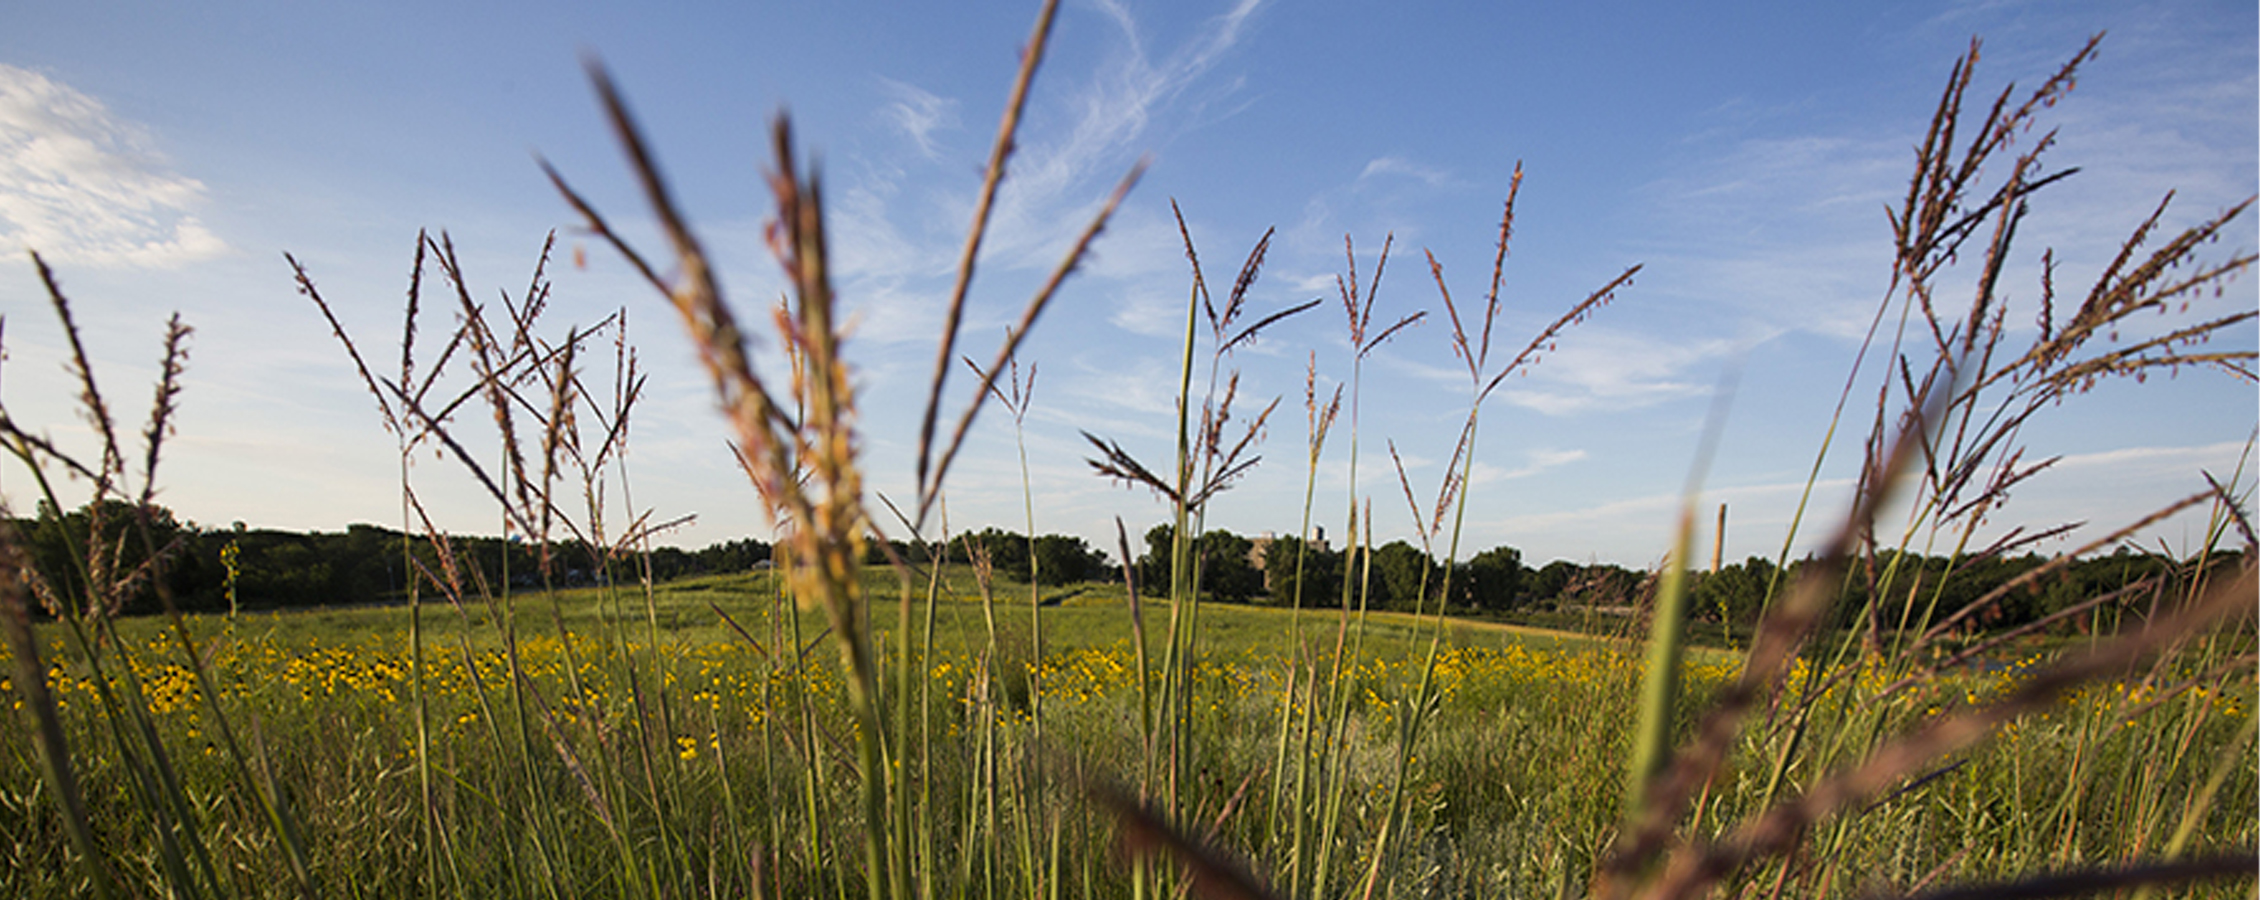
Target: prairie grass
[
  {"x": 794, "y": 733},
  {"x": 1531, "y": 733}
]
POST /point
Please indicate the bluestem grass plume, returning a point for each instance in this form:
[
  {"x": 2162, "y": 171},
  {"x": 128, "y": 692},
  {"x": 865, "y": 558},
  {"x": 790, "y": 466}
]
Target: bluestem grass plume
[{"x": 1962, "y": 403}]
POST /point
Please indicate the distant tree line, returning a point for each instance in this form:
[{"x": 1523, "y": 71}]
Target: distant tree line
[
  {"x": 280, "y": 569},
  {"x": 364, "y": 564},
  {"x": 1914, "y": 588},
  {"x": 1058, "y": 559},
  {"x": 1400, "y": 576}
]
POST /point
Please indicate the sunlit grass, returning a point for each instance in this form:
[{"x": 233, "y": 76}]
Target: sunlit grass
[{"x": 1519, "y": 777}]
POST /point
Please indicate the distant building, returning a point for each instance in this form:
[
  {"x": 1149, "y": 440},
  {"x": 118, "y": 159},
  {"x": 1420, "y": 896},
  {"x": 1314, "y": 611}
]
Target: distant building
[{"x": 1260, "y": 547}]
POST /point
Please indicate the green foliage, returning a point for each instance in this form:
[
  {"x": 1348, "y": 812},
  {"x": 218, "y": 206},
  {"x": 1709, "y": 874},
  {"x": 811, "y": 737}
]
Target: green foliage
[
  {"x": 1006, "y": 551},
  {"x": 1401, "y": 572},
  {"x": 107, "y": 534},
  {"x": 1492, "y": 580},
  {"x": 275, "y": 569},
  {"x": 1061, "y": 559},
  {"x": 1319, "y": 584},
  {"x": 1227, "y": 570},
  {"x": 1549, "y": 581},
  {"x": 1734, "y": 594},
  {"x": 1065, "y": 559},
  {"x": 740, "y": 555}
]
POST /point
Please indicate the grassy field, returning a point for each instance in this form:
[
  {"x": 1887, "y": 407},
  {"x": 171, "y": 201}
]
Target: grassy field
[
  {"x": 835, "y": 730},
  {"x": 698, "y": 766},
  {"x": 1079, "y": 616}
]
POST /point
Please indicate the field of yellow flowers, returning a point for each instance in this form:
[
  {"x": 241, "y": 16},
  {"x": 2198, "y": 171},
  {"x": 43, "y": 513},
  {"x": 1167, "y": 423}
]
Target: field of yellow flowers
[{"x": 596, "y": 760}]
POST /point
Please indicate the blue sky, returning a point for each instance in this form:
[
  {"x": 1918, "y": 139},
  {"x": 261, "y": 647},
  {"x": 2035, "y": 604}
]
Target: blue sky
[{"x": 164, "y": 156}]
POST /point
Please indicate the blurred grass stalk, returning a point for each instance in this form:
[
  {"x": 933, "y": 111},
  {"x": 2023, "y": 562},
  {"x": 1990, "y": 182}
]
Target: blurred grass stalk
[
  {"x": 805, "y": 466},
  {"x": 88, "y": 600},
  {"x": 1948, "y": 416}
]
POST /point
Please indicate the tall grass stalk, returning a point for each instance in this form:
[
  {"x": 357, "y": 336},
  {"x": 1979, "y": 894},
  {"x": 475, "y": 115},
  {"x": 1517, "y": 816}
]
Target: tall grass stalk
[
  {"x": 1474, "y": 350},
  {"x": 1207, "y": 461},
  {"x": 89, "y": 600},
  {"x": 1290, "y": 796},
  {"x": 1950, "y": 417},
  {"x": 1357, "y": 567},
  {"x": 1660, "y": 689},
  {"x": 46, "y": 725},
  {"x": 829, "y": 523},
  {"x": 1039, "y": 878}
]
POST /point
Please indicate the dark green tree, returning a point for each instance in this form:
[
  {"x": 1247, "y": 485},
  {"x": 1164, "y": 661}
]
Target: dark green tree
[
  {"x": 732, "y": 556},
  {"x": 1226, "y": 573},
  {"x": 1007, "y": 552},
  {"x": 1401, "y": 572},
  {"x": 1065, "y": 559},
  {"x": 1321, "y": 579},
  {"x": 99, "y": 556},
  {"x": 1153, "y": 565},
  {"x": 1735, "y": 594},
  {"x": 1545, "y": 586},
  {"x": 1494, "y": 579}
]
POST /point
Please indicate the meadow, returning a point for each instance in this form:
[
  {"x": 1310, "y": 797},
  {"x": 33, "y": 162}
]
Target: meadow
[
  {"x": 836, "y": 729},
  {"x": 1518, "y": 790}
]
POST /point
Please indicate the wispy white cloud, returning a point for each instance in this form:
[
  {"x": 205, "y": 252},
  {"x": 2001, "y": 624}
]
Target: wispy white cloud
[
  {"x": 1134, "y": 396},
  {"x": 1111, "y": 114},
  {"x": 80, "y": 185},
  {"x": 1638, "y": 525},
  {"x": 2183, "y": 461},
  {"x": 918, "y": 113},
  {"x": 1790, "y": 230},
  {"x": 1537, "y": 462},
  {"x": 1148, "y": 314},
  {"x": 898, "y": 242},
  {"x": 1782, "y": 232},
  {"x": 2110, "y": 489},
  {"x": 1601, "y": 369},
  {"x": 1398, "y": 166}
]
